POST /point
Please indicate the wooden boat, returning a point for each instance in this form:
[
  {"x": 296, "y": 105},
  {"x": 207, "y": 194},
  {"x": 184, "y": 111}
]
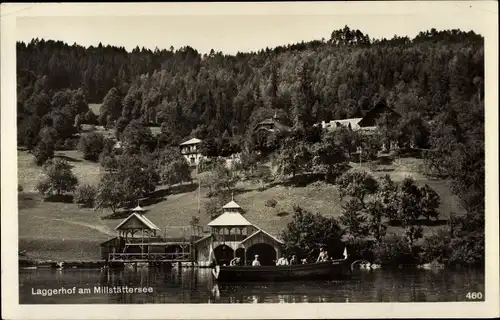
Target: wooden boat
[{"x": 320, "y": 270}]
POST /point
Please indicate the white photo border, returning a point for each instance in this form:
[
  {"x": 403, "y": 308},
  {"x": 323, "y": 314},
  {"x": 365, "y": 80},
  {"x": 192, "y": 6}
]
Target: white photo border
[{"x": 486, "y": 13}]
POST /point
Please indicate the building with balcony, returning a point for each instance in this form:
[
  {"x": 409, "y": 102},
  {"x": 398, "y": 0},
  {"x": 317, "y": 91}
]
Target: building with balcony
[{"x": 190, "y": 149}]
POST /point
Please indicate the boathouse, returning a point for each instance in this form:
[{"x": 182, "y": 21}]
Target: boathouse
[
  {"x": 138, "y": 239},
  {"x": 232, "y": 235}
]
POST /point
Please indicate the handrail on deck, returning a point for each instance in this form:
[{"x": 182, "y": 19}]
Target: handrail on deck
[{"x": 186, "y": 256}]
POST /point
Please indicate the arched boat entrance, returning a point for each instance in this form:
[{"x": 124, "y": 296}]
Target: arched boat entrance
[
  {"x": 266, "y": 252},
  {"x": 240, "y": 253},
  {"x": 241, "y": 239},
  {"x": 223, "y": 254}
]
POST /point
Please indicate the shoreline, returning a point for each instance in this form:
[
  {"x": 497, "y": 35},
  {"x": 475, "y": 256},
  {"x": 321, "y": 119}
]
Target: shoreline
[{"x": 27, "y": 264}]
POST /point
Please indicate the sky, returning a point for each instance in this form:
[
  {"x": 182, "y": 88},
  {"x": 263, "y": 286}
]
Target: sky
[{"x": 242, "y": 28}]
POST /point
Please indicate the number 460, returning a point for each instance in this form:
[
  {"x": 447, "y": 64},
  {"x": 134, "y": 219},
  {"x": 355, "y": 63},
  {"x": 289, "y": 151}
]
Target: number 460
[{"x": 474, "y": 295}]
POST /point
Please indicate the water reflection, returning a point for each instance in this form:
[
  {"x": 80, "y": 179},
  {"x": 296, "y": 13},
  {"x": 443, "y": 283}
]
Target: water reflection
[{"x": 197, "y": 286}]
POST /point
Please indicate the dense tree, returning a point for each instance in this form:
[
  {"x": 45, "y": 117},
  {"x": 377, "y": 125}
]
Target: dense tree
[
  {"x": 376, "y": 227},
  {"x": 429, "y": 202},
  {"x": 120, "y": 125},
  {"x": 307, "y": 232},
  {"x": 91, "y": 145},
  {"x": 330, "y": 158},
  {"x": 261, "y": 174},
  {"x": 294, "y": 158},
  {"x": 172, "y": 167},
  {"x": 304, "y": 98},
  {"x": 406, "y": 203},
  {"x": 353, "y": 220},
  {"x": 225, "y": 179},
  {"x": 110, "y": 193},
  {"x": 131, "y": 178},
  {"x": 44, "y": 149},
  {"x": 345, "y": 138},
  {"x": 89, "y": 118},
  {"x": 111, "y": 107},
  {"x": 135, "y": 136},
  {"x": 357, "y": 185},
  {"x": 247, "y": 163},
  {"x": 209, "y": 148},
  {"x": 412, "y": 131},
  {"x": 28, "y": 133},
  {"x": 59, "y": 178},
  {"x": 85, "y": 195}
]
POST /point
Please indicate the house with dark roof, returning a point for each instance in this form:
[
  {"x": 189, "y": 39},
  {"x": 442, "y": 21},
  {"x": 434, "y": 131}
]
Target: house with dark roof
[
  {"x": 368, "y": 123},
  {"x": 267, "y": 133},
  {"x": 271, "y": 125}
]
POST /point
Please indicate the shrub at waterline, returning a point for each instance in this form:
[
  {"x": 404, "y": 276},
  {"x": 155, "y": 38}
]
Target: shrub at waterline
[
  {"x": 462, "y": 243},
  {"x": 372, "y": 201},
  {"x": 307, "y": 232}
]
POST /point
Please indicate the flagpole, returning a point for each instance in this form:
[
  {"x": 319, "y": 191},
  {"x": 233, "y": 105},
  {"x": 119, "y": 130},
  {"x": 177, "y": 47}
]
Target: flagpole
[{"x": 199, "y": 184}]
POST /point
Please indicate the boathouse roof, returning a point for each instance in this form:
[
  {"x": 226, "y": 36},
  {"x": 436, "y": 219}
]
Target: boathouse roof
[
  {"x": 231, "y": 205},
  {"x": 229, "y": 219},
  {"x": 264, "y": 232},
  {"x": 191, "y": 141},
  {"x": 139, "y": 218},
  {"x": 138, "y": 209}
]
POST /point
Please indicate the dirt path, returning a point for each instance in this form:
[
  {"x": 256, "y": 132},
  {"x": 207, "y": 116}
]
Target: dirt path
[
  {"x": 102, "y": 229},
  {"x": 99, "y": 228}
]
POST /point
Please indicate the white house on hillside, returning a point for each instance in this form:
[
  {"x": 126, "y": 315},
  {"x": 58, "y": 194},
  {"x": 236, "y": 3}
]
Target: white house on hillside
[{"x": 191, "y": 151}]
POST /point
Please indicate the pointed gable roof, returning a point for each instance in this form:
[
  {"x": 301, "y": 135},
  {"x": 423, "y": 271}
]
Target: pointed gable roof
[
  {"x": 141, "y": 219},
  {"x": 379, "y": 108},
  {"x": 231, "y": 205},
  {"x": 138, "y": 209},
  {"x": 264, "y": 232},
  {"x": 191, "y": 141},
  {"x": 272, "y": 121},
  {"x": 229, "y": 219}
]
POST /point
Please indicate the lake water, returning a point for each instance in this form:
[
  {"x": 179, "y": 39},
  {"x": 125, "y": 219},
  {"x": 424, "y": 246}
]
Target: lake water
[{"x": 197, "y": 286}]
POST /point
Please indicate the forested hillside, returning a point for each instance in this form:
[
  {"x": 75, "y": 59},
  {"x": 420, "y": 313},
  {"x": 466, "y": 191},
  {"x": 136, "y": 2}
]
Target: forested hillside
[{"x": 437, "y": 77}]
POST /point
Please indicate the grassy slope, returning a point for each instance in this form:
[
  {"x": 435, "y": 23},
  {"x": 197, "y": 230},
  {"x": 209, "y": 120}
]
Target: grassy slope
[{"x": 64, "y": 231}]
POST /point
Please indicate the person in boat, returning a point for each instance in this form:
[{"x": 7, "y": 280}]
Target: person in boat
[
  {"x": 256, "y": 262},
  {"x": 323, "y": 255},
  {"x": 294, "y": 260},
  {"x": 282, "y": 261},
  {"x": 235, "y": 262}
]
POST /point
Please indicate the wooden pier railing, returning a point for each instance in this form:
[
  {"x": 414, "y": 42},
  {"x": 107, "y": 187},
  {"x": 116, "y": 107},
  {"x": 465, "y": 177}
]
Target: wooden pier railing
[{"x": 150, "y": 257}]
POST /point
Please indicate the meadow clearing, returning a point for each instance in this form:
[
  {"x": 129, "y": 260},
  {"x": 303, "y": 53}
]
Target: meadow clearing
[{"x": 54, "y": 230}]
